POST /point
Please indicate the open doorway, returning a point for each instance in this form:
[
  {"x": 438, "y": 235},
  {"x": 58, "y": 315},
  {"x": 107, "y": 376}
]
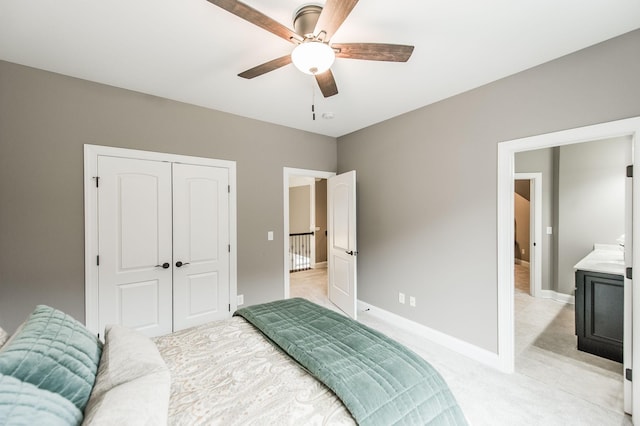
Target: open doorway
[
  {"x": 529, "y": 245},
  {"x": 506, "y": 154},
  {"x": 305, "y": 225},
  {"x": 585, "y": 206}
]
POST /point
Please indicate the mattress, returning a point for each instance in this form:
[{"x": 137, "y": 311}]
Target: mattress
[{"x": 226, "y": 372}]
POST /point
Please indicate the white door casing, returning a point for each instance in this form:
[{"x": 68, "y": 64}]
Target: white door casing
[
  {"x": 343, "y": 250},
  {"x": 95, "y": 260},
  {"x": 134, "y": 207},
  {"x": 200, "y": 245}
]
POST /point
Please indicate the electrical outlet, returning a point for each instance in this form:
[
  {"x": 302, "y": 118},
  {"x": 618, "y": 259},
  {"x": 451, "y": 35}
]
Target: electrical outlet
[
  {"x": 412, "y": 301},
  {"x": 401, "y": 298},
  {"x": 240, "y": 299},
  {"x": 522, "y": 251}
]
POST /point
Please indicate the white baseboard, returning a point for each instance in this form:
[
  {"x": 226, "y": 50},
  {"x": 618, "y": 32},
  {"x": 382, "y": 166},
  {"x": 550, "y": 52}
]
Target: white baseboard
[
  {"x": 558, "y": 297},
  {"x": 320, "y": 265},
  {"x": 464, "y": 348}
]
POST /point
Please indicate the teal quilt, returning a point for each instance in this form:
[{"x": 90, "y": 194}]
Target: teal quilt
[{"x": 380, "y": 381}]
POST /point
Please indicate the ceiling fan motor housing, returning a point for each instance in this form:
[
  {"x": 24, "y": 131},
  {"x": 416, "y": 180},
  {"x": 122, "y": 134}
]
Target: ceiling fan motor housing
[{"x": 305, "y": 19}]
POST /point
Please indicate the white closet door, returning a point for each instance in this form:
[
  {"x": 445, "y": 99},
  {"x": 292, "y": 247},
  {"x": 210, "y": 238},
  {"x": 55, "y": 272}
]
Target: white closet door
[
  {"x": 201, "y": 245},
  {"x": 134, "y": 210}
]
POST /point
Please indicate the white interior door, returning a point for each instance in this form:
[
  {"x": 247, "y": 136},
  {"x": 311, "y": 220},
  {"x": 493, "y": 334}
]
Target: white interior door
[
  {"x": 342, "y": 256},
  {"x": 627, "y": 350},
  {"x": 201, "y": 245},
  {"x": 134, "y": 210}
]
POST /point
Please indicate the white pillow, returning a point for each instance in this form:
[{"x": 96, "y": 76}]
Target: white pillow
[{"x": 133, "y": 382}]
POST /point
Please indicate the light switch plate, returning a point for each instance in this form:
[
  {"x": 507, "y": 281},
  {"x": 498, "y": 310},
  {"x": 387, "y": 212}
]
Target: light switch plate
[
  {"x": 270, "y": 235},
  {"x": 549, "y": 230}
]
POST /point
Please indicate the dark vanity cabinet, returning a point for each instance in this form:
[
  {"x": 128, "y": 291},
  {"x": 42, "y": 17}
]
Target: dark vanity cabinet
[{"x": 600, "y": 313}]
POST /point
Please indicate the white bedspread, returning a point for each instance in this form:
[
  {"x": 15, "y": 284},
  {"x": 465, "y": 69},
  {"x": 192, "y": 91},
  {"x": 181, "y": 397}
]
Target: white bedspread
[{"x": 226, "y": 372}]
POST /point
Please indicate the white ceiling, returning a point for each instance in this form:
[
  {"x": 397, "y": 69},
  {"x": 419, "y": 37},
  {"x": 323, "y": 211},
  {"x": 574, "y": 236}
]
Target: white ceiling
[{"x": 192, "y": 51}]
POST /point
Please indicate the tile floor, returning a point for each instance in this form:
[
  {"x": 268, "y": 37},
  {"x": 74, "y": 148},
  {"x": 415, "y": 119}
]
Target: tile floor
[
  {"x": 553, "y": 383},
  {"x": 546, "y": 350}
]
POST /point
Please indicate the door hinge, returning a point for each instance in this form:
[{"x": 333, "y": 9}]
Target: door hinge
[
  {"x": 98, "y": 260},
  {"x": 630, "y": 171},
  {"x": 229, "y": 189},
  {"x": 229, "y": 307},
  {"x": 629, "y": 273},
  {"x": 628, "y": 374},
  {"x": 229, "y": 247},
  {"x": 97, "y": 178}
]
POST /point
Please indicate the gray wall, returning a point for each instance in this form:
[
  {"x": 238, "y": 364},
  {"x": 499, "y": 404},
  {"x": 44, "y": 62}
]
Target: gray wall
[
  {"x": 427, "y": 183},
  {"x": 542, "y": 161},
  {"x": 299, "y": 209},
  {"x": 591, "y": 206},
  {"x": 321, "y": 220},
  {"x": 46, "y": 118}
]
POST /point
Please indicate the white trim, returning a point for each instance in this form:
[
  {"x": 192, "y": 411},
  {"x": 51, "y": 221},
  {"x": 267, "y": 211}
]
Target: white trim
[
  {"x": 91, "y": 153},
  {"x": 460, "y": 346},
  {"x": 506, "y": 151},
  {"x": 535, "y": 252},
  {"x": 286, "y": 173},
  {"x": 558, "y": 297}
]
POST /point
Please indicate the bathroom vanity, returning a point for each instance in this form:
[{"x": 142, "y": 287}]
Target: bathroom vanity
[{"x": 599, "y": 302}]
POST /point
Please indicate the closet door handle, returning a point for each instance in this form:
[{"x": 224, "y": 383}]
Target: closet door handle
[
  {"x": 165, "y": 265},
  {"x": 179, "y": 264}
]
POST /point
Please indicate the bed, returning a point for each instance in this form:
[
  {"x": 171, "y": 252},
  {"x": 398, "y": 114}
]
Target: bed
[{"x": 285, "y": 362}]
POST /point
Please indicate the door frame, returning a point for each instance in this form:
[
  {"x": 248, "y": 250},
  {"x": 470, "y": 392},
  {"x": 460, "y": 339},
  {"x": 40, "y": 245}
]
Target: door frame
[
  {"x": 506, "y": 151},
  {"x": 91, "y": 153},
  {"x": 535, "y": 234},
  {"x": 287, "y": 172}
]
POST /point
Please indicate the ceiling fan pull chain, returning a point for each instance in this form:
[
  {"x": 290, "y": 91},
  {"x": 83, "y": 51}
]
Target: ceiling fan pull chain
[{"x": 313, "y": 101}]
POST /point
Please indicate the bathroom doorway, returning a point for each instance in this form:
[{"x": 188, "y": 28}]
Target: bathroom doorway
[
  {"x": 585, "y": 205},
  {"x": 506, "y": 154}
]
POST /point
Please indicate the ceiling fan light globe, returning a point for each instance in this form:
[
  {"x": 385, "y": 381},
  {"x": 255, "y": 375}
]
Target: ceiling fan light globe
[{"x": 313, "y": 57}]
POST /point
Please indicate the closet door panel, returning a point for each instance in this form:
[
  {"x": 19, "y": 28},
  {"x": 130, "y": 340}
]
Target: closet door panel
[
  {"x": 201, "y": 238},
  {"x": 134, "y": 209}
]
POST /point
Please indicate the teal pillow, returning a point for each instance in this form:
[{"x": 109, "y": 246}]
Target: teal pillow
[
  {"x": 22, "y": 403},
  {"x": 55, "y": 352}
]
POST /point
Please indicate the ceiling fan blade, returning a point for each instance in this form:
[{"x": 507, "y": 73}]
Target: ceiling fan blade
[
  {"x": 257, "y": 18},
  {"x": 373, "y": 51},
  {"x": 266, "y": 67},
  {"x": 333, "y": 15},
  {"x": 327, "y": 84}
]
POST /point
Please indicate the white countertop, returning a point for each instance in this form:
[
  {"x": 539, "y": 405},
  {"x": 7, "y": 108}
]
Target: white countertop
[{"x": 605, "y": 258}]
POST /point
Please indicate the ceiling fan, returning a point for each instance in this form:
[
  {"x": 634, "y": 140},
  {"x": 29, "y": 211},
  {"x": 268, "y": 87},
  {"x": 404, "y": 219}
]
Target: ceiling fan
[{"x": 314, "y": 54}]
